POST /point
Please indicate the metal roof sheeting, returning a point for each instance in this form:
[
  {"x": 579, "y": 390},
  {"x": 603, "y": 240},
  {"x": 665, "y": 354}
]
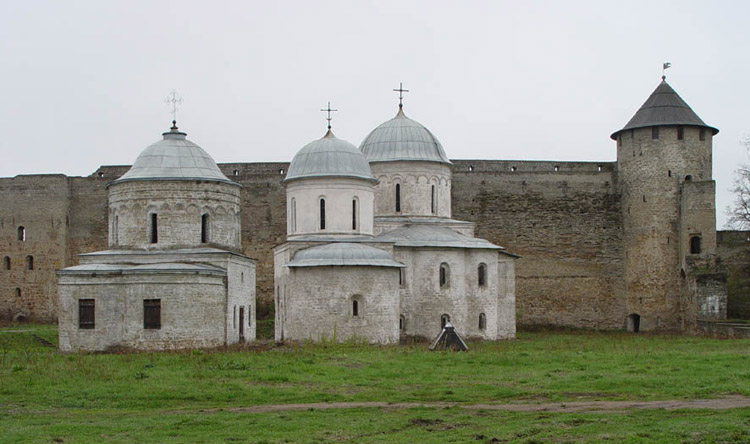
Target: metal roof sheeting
[
  {"x": 174, "y": 158},
  {"x": 430, "y": 236},
  {"x": 664, "y": 107},
  {"x": 145, "y": 268},
  {"x": 402, "y": 138},
  {"x": 343, "y": 254},
  {"x": 329, "y": 157}
]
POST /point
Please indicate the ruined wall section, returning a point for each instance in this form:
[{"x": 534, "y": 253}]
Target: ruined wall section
[
  {"x": 733, "y": 249},
  {"x": 564, "y": 220},
  {"x": 28, "y": 285}
]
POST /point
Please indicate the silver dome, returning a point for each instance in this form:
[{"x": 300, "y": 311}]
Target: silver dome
[
  {"x": 343, "y": 254},
  {"x": 329, "y": 157},
  {"x": 402, "y": 138},
  {"x": 174, "y": 158}
]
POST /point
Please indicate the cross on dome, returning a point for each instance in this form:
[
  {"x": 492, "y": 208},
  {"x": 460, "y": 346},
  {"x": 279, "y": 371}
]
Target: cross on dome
[
  {"x": 329, "y": 110},
  {"x": 401, "y": 92},
  {"x": 173, "y": 100}
]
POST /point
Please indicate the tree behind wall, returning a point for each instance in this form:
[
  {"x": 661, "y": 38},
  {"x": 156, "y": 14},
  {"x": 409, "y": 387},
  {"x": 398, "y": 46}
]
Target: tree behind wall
[{"x": 739, "y": 212}]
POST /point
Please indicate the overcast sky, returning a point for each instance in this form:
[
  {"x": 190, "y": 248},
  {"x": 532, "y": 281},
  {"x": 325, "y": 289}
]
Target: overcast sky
[{"x": 82, "y": 83}]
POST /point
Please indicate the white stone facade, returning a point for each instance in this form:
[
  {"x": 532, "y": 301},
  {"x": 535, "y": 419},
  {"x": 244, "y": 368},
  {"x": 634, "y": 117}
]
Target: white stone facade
[{"x": 424, "y": 188}]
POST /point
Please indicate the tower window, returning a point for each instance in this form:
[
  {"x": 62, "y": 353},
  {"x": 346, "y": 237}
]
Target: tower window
[
  {"x": 29, "y": 262},
  {"x": 236, "y": 172},
  {"x": 354, "y": 214},
  {"x": 695, "y": 245},
  {"x": 471, "y": 168},
  {"x": 86, "y": 310},
  {"x": 401, "y": 277},
  {"x": 444, "y": 274},
  {"x": 702, "y": 134},
  {"x": 22, "y": 234},
  {"x": 557, "y": 168},
  {"x": 482, "y": 275},
  {"x": 152, "y": 314},
  {"x": 322, "y": 214},
  {"x": 281, "y": 171},
  {"x": 482, "y": 321},
  {"x": 599, "y": 168},
  {"x": 688, "y": 178},
  {"x": 654, "y": 132},
  {"x": 154, "y": 228},
  {"x": 6, "y": 263},
  {"x": 398, "y": 197},
  {"x": 204, "y": 228},
  {"x": 432, "y": 200},
  {"x": 680, "y": 133},
  {"x": 513, "y": 169}
]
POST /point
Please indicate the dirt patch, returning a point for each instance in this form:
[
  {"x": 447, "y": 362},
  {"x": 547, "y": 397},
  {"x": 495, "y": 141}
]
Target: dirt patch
[{"x": 728, "y": 402}]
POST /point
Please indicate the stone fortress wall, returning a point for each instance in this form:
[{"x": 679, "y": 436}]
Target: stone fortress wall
[{"x": 563, "y": 218}]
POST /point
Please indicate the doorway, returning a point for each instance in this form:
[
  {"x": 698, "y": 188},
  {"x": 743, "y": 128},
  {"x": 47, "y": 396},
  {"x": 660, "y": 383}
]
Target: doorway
[{"x": 634, "y": 323}]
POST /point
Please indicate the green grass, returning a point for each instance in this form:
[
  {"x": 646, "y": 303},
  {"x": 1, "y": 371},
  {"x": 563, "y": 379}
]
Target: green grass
[{"x": 157, "y": 397}]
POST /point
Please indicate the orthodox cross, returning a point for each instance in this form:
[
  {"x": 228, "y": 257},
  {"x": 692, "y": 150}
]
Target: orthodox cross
[
  {"x": 173, "y": 99},
  {"x": 401, "y": 92},
  {"x": 329, "y": 111}
]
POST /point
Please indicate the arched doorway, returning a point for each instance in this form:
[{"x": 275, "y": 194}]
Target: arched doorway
[{"x": 634, "y": 322}]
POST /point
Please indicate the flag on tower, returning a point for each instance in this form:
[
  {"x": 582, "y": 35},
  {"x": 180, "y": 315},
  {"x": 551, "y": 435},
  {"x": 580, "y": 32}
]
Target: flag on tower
[{"x": 667, "y": 65}]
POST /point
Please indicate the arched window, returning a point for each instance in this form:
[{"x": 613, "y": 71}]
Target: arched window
[
  {"x": 695, "y": 245},
  {"x": 398, "y": 197},
  {"x": 354, "y": 214},
  {"x": 204, "y": 228},
  {"x": 115, "y": 229},
  {"x": 688, "y": 178},
  {"x": 29, "y": 262},
  {"x": 357, "y": 306},
  {"x": 22, "y": 234},
  {"x": 433, "y": 200},
  {"x": 482, "y": 275},
  {"x": 444, "y": 319},
  {"x": 401, "y": 322},
  {"x": 444, "y": 274},
  {"x": 293, "y": 216},
  {"x": 6, "y": 263},
  {"x": 482, "y": 321},
  {"x": 154, "y": 228},
  {"x": 322, "y": 214}
]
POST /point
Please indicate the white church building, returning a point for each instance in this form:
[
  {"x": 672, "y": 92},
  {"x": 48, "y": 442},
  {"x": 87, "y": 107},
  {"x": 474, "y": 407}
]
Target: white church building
[
  {"x": 172, "y": 276},
  {"x": 372, "y": 253}
]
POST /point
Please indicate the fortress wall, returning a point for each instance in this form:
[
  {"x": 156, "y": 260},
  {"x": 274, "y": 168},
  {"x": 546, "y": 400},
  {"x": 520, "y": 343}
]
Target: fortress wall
[
  {"x": 566, "y": 225},
  {"x": 39, "y": 203},
  {"x": 733, "y": 248},
  {"x": 88, "y": 229}
]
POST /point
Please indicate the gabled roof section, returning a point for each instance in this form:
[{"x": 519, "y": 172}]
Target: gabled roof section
[{"x": 664, "y": 107}]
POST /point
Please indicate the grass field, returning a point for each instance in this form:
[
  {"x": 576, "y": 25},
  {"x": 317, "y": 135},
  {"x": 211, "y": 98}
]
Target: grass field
[{"x": 197, "y": 396}]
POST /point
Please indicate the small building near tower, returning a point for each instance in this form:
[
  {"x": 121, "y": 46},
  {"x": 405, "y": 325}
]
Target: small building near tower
[{"x": 172, "y": 277}]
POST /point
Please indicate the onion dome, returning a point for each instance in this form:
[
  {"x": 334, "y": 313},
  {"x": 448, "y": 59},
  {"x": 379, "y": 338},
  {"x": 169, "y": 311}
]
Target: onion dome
[
  {"x": 662, "y": 108},
  {"x": 402, "y": 138},
  {"x": 343, "y": 254},
  {"x": 174, "y": 158},
  {"x": 329, "y": 157}
]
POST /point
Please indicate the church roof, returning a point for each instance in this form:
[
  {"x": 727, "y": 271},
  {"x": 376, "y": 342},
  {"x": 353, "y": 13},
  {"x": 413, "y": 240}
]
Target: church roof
[
  {"x": 402, "y": 138},
  {"x": 329, "y": 157},
  {"x": 664, "y": 107},
  {"x": 174, "y": 158},
  {"x": 170, "y": 267},
  {"x": 343, "y": 254},
  {"x": 432, "y": 236}
]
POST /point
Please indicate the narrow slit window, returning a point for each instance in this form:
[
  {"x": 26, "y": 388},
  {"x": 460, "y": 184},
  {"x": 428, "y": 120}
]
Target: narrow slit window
[
  {"x": 654, "y": 132},
  {"x": 29, "y": 262},
  {"x": 680, "y": 133},
  {"x": 154, "y": 228},
  {"x": 86, "y": 314},
  {"x": 204, "y": 228},
  {"x": 22, "y": 234},
  {"x": 695, "y": 245},
  {"x": 322, "y": 214},
  {"x": 354, "y": 214},
  {"x": 444, "y": 274},
  {"x": 152, "y": 314},
  {"x": 398, "y": 197},
  {"x": 294, "y": 215},
  {"x": 6, "y": 263},
  {"x": 702, "y": 134},
  {"x": 18, "y": 292},
  {"x": 432, "y": 200},
  {"x": 482, "y": 321},
  {"x": 355, "y": 308}
]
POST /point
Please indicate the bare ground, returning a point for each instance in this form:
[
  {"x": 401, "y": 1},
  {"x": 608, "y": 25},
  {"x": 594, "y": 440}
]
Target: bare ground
[{"x": 727, "y": 402}]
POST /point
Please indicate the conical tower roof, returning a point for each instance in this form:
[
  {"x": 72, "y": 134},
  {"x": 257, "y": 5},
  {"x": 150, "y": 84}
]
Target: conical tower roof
[{"x": 664, "y": 107}]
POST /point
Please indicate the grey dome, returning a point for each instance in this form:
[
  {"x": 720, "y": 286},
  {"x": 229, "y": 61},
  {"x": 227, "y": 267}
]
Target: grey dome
[
  {"x": 402, "y": 138},
  {"x": 174, "y": 158},
  {"x": 432, "y": 236},
  {"x": 664, "y": 107},
  {"x": 329, "y": 157},
  {"x": 343, "y": 254}
]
